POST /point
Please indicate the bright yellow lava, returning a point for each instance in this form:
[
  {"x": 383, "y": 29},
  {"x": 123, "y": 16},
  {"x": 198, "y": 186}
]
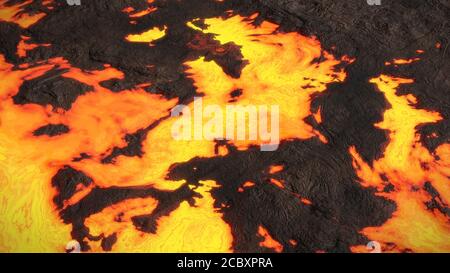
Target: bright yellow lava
[
  {"x": 187, "y": 229},
  {"x": 408, "y": 166},
  {"x": 281, "y": 71},
  {"x": 147, "y": 36},
  {"x": 13, "y": 13}
]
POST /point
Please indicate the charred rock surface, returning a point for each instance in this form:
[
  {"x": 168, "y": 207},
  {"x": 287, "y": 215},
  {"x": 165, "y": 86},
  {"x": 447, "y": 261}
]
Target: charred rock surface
[{"x": 51, "y": 130}]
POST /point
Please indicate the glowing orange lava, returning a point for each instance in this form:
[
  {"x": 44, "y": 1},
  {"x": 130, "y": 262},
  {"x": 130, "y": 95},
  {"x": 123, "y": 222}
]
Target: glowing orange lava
[
  {"x": 277, "y": 183},
  {"x": 284, "y": 69},
  {"x": 187, "y": 229},
  {"x": 275, "y": 169},
  {"x": 403, "y": 61},
  {"x": 408, "y": 166},
  {"x": 147, "y": 36},
  {"x": 132, "y": 14},
  {"x": 15, "y": 14},
  {"x": 269, "y": 242},
  {"x": 23, "y": 46},
  {"x": 94, "y": 129},
  {"x": 280, "y": 71}
]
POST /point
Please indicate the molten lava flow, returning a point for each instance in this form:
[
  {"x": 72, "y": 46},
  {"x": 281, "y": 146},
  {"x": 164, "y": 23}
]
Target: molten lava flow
[
  {"x": 282, "y": 70},
  {"x": 318, "y": 116},
  {"x": 403, "y": 61},
  {"x": 143, "y": 13},
  {"x": 409, "y": 168},
  {"x": 147, "y": 36},
  {"x": 275, "y": 169},
  {"x": 278, "y": 183},
  {"x": 305, "y": 201},
  {"x": 269, "y": 242},
  {"x": 98, "y": 121},
  {"x": 23, "y": 46},
  {"x": 28, "y": 216},
  {"x": 15, "y": 14},
  {"x": 132, "y": 14},
  {"x": 187, "y": 229},
  {"x": 247, "y": 184}
]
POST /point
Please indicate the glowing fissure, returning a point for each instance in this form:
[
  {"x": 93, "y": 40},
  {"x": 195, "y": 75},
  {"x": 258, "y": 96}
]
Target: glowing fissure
[{"x": 408, "y": 166}]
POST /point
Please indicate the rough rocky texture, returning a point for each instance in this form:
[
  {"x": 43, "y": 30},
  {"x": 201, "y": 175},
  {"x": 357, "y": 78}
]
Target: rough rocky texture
[{"x": 91, "y": 35}]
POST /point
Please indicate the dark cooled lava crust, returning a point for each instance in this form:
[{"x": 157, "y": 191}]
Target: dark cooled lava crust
[{"x": 92, "y": 34}]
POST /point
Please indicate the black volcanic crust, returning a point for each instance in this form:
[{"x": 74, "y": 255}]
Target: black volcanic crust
[
  {"x": 51, "y": 130},
  {"x": 52, "y": 89},
  {"x": 319, "y": 172}
]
